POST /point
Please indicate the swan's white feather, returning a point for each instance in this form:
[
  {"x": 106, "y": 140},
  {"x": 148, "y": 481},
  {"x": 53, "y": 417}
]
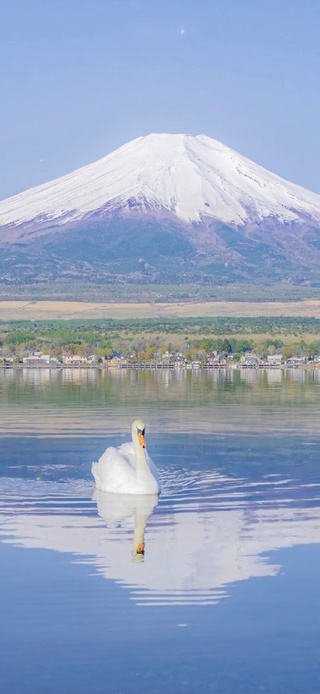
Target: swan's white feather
[{"x": 114, "y": 469}]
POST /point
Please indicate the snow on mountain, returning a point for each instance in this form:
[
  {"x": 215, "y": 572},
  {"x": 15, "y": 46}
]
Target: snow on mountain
[{"x": 193, "y": 178}]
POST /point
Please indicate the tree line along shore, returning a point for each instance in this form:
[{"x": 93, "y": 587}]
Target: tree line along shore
[{"x": 159, "y": 341}]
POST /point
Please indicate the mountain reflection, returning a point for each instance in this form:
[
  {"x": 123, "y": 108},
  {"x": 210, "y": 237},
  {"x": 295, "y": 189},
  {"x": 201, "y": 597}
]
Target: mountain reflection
[{"x": 199, "y": 541}]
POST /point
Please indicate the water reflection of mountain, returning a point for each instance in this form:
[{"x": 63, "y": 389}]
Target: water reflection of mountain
[
  {"x": 93, "y": 402},
  {"x": 200, "y": 541}
]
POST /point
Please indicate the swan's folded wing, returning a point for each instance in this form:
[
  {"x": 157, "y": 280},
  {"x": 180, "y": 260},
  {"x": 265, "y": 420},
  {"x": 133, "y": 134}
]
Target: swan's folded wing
[
  {"x": 112, "y": 470},
  {"x": 127, "y": 451}
]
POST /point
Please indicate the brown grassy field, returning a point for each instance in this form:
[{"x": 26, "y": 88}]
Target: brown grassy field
[{"x": 66, "y": 310}]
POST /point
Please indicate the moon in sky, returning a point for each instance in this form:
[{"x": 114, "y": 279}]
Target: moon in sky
[{"x": 182, "y": 31}]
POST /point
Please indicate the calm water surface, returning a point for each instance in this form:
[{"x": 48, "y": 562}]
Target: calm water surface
[{"x": 226, "y": 598}]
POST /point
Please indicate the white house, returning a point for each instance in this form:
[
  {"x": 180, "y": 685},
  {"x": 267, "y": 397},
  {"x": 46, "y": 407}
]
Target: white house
[{"x": 74, "y": 359}]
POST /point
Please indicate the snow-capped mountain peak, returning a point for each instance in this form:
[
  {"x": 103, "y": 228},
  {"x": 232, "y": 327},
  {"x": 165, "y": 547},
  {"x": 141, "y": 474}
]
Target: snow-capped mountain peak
[{"x": 192, "y": 178}]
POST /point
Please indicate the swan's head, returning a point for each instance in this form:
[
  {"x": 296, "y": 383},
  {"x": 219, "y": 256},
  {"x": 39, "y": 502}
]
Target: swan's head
[
  {"x": 138, "y": 432},
  {"x": 138, "y": 553}
]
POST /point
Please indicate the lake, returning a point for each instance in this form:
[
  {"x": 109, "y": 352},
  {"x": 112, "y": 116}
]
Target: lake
[{"x": 226, "y": 596}]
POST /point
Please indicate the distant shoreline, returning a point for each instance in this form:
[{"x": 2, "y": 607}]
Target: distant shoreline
[{"x": 150, "y": 366}]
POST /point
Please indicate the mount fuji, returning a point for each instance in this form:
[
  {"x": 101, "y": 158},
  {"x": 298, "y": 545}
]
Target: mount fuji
[{"x": 163, "y": 208}]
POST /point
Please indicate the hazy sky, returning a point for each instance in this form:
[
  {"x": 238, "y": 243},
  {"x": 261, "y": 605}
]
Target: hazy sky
[{"x": 79, "y": 78}]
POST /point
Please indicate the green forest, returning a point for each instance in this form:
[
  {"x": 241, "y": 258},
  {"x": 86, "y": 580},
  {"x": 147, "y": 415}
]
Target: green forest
[{"x": 146, "y": 338}]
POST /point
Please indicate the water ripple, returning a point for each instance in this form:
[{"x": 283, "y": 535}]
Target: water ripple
[{"x": 207, "y": 531}]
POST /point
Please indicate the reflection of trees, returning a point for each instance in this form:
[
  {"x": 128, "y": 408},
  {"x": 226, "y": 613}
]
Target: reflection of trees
[{"x": 182, "y": 388}]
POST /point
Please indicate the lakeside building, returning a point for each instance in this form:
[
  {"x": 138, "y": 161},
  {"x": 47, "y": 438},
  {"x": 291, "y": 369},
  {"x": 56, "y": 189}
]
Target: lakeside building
[
  {"x": 168, "y": 360},
  {"x": 37, "y": 359},
  {"x": 299, "y": 361},
  {"x": 274, "y": 359},
  {"x": 116, "y": 360},
  {"x": 74, "y": 359},
  {"x": 250, "y": 360}
]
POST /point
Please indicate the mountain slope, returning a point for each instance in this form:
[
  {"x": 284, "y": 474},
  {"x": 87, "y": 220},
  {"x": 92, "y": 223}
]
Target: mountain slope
[{"x": 163, "y": 208}]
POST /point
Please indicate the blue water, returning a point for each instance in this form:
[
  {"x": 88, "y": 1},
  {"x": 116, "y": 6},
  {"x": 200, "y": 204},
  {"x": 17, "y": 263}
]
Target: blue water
[{"x": 226, "y": 597}]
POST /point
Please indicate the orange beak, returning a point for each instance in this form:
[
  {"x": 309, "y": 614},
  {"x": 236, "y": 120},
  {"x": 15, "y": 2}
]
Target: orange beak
[
  {"x": 141, "y": 439},
  {"x": 140, "y": 548}
]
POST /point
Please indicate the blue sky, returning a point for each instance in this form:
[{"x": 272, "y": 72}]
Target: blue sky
[{"x": 79, "y": 78}]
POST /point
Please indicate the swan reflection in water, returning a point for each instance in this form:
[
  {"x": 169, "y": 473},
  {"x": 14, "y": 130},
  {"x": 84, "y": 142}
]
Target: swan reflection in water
[
  {"x": 116, "y": 509},
  {"x": 212, "y": 532}
]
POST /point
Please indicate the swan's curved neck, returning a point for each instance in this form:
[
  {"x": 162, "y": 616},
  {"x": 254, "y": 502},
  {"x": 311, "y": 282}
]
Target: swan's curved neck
[
  {"x": 140, "y": 523},
  {"x": 139, "y": 454}
]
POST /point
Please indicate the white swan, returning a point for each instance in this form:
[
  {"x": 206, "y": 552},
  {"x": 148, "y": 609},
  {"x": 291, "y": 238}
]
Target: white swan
[{"x": 127, "y": 469}]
